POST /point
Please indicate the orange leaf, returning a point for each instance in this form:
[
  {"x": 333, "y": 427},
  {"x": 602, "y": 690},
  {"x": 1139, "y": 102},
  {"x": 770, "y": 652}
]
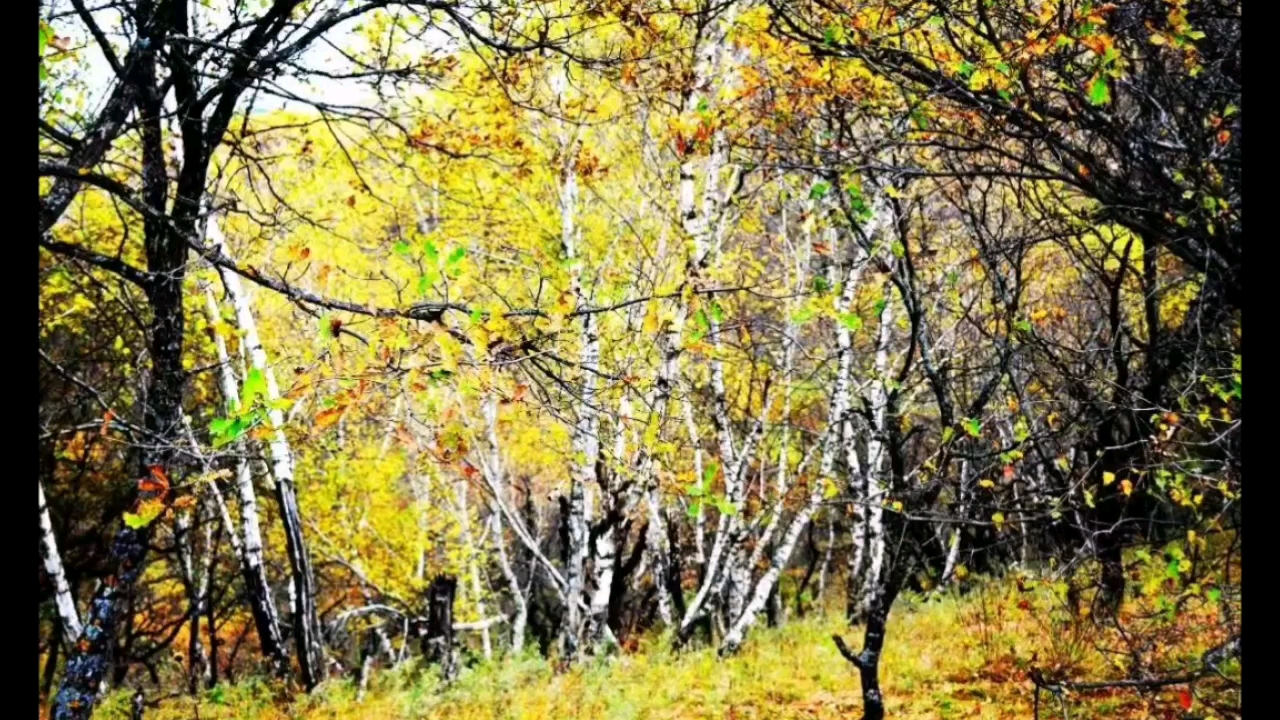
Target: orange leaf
[
  {"x": 1184, "y": 699},
  {"x": 325, "y": 418},
  {"x": 821, "y": 249},
  {"x": 1008, "y": 472},
  {"x": 158, "y": 482},
  {"x": 107, "y": 417}
]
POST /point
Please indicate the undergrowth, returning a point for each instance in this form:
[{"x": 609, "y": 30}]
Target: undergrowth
[{"x": 962, "y": 654}]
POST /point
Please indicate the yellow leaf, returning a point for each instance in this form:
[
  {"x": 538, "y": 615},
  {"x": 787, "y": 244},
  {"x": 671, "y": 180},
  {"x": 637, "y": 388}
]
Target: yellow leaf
[
  {"x": 651, "y": 319},
  {"x": 831, "y": 489},
  {"x": 986, "y": 483},
  {"x": 961, "y": 572},
  {"x": 1126, "y": 486},
  {"x": 1108, "y": 478},
  {"x": 998, "y": 519}
]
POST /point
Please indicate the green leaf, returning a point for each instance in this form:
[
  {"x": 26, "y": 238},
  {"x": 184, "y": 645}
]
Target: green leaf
[
  {"x": 947, "y": 434},
  {"x": 819, "y": 190},
  {"x": 858, "y": 203},
  {"x": 455, "y": 257},
  {"x": 694, "y": 508},
  {"x": 881, "y": 304},
  {"x": 853, "y": 321},
  {"x": 725, "y": 507},
  {"x": 820, "y": 285},
  {"x": 1099, "y": 91},
  {"x": 230, "y": 431},
  {"x": 255, "y": 385},
  {"x": 897, "y": 249},
  {"x": 973, "y": 426},
  {"x": 966, "y": 69},
  {"x": 709, "y": 473},
  {"x": 802, "y": 316},
  {"x": 424, "y": 283},
  {"x": 432, "y": 252},
  {"x": 703, "y": 323},
  {"x": 401, "y": 248},
  {"x": 717, "y": 312}
]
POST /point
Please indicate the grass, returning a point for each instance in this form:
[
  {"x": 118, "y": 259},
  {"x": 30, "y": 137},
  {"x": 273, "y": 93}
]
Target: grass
[{"x": 954, "y": 656}]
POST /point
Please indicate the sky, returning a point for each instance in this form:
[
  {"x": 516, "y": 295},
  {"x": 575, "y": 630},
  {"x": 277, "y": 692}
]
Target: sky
[{"x": 321, "y": 54}]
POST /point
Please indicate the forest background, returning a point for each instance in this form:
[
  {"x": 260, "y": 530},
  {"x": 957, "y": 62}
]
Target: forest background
[{"x": 419, "y": 344}]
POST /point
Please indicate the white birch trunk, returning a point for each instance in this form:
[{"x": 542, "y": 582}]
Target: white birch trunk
[
  {"x": 302, "y": 587},
  {"x": 876, "y": 487},
  {"x": 68, "y": 616},
  {"x": 476, "y": 592},
  {"x": 837, "y": 422}
]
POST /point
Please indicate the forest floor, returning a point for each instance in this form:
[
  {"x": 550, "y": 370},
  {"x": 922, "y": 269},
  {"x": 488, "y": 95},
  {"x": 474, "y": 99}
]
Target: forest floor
[{"x": 952, "y": 656}]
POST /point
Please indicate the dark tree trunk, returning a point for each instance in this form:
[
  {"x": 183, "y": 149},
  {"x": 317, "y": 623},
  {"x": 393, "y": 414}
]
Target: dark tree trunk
[
  {"x": 137, "y": 706},
  {"x": 305, "y": 622},
  {"x": 771, "y": 608},
  {"x": 618, "y": 590},
  {"x": 212, "y": 680},
  {"x": 811, "y": 547},
  {"x": 438, "y": 638},
  {"x": 675, "y": 569},
  {"x": 868, "y": 661},
  {"x": 166, "y": 257}
]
